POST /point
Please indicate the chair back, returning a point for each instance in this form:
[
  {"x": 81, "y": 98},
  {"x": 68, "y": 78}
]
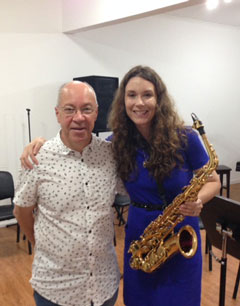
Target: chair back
[{"x": 6, "y": 185}]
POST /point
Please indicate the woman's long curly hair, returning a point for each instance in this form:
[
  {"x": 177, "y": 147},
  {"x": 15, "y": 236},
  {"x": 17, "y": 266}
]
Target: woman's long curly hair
[{"x": 167, "y": 130}]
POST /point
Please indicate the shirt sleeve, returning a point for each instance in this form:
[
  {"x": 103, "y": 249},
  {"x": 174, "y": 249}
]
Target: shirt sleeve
[{"x": 26, "y": 189}]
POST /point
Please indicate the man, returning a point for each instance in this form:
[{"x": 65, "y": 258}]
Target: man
[{"x": 64, "y": 206}]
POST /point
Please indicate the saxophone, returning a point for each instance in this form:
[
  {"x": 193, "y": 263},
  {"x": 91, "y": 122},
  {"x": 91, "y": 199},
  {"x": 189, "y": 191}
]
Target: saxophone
[{"x": 159, "y": 242}]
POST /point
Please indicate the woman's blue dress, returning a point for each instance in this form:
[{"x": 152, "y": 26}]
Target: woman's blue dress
[{"x": 178, "y": 281}]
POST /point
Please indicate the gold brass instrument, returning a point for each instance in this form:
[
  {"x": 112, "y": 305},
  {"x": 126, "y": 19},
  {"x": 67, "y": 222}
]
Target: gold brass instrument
[{"x": 159, "y": 242}]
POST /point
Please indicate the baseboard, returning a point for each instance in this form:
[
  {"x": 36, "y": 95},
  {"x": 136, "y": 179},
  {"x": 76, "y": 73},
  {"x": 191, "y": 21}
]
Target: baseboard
[
  {"x": 8, "y": 222},
  {"x": 235, "y": 181}
]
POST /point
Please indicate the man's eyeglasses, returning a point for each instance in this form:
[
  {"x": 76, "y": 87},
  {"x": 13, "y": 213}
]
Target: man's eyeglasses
[{"x": 71, "y": 111}]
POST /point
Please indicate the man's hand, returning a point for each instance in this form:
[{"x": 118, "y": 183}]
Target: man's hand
[{"x": 30, "y": 151}]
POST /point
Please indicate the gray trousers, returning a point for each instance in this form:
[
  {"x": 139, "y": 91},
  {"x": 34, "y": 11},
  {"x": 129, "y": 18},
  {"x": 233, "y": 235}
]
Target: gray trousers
[{"x": 111, "y": 301}]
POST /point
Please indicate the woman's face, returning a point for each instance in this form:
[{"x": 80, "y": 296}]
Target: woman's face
[{"x": 140, "y": 103}]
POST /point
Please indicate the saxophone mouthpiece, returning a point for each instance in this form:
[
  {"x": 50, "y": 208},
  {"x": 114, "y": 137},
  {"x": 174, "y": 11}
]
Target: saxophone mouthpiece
[
  {"x": 197, "y": 124},
  {"x": 194, "y": 117}
]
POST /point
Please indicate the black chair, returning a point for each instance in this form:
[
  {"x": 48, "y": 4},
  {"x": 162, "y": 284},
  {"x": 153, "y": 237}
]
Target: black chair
[
  {"x": 121, "y": 204},
  {"x": 221, "y": 216},
  {"x": 7, "y": 192},
  {"x": 238, "y": 274},
  {"x": 224, "y": 171}
]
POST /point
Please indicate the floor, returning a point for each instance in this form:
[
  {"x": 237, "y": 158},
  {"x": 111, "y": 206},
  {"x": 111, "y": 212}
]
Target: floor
[{"x": 15, "y": 269}]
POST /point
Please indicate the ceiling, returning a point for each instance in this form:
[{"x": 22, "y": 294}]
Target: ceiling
[{"x": 225, "y": 13}]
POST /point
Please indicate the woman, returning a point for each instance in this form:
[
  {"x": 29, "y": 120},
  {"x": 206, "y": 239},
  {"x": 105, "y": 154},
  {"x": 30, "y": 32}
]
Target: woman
[{"x": 157, "y": 156}]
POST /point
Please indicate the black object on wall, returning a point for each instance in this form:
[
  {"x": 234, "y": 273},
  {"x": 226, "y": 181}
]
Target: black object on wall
[
  {"x": 238, "y": 166},
  {"x": 29, "y": 126},
  {"x": 105, "y": 88}
]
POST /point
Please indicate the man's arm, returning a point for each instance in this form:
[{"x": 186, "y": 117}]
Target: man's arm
[{"x": 25, "y": 218}]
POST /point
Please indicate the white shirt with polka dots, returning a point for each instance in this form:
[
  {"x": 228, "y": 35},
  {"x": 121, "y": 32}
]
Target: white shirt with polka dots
[{"x": 75, "y": 260}]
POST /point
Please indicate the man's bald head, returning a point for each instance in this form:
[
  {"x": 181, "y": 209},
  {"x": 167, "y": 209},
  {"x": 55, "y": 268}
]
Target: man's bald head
[{"x": 74, "y": 85}]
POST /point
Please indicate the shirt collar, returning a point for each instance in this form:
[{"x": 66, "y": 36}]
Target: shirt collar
[{"x": 66, "y": 150}]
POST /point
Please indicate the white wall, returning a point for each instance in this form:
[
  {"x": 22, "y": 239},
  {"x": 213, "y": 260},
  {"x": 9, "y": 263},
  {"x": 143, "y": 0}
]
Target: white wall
[
  {"x": 92, "y": 13},
  {"x": 28, "y": 16},
  {"x": 35, "y": 59},
  {"x": 33, "y": 66},
  {"x": 198, "y": 61}
]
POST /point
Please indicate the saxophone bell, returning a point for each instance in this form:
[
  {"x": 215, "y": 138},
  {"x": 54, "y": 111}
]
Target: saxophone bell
[
  {"x": 187, "y": 241},
  {"x": 150, "y": 257}
]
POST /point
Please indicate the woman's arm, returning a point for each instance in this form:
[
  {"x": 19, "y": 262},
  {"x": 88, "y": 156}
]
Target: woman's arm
[
  {"x": 210, "y": 189},
  {"x": 30, "y": 151}
]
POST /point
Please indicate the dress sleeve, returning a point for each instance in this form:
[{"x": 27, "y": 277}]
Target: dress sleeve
[
  {"x": 196, "y": 153},
  {"x": 109, "y": 138}
]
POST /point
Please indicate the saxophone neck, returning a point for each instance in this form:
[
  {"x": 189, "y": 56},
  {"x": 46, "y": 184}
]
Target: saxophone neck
[{"x": 213, "y": 159}]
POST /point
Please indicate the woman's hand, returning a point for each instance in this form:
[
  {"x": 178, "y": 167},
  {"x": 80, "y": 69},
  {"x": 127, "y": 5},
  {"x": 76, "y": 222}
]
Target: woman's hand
[
  {"x": 207, "y": 192},
  {"x": 30, "y": 151},
  {"x": 192, "y": 209}
]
